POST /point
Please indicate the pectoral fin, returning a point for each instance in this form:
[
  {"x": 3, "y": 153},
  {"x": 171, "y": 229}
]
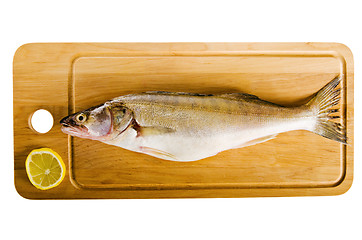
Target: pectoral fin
[
  {"x": 151, "y": 130},
  {"x": 256, "y": 141},
  {"x": 147, "y": 131}
]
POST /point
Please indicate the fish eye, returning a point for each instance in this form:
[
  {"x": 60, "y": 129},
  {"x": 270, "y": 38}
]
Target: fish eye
[{"x": 81, "y": 117}]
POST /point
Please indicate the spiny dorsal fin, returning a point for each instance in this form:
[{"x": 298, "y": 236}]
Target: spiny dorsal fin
[
  {"x": 233, "y": 96},
  {"x": 178, "y": 93},
  {"x": 224, "y": 95},
  {"x": 238, "y": 96}
]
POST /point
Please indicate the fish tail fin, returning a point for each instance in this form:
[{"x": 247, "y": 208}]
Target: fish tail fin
[{"x": 322, "y": 104}]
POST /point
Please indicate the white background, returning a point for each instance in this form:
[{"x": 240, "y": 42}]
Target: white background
[{"x": 335, "y": 217}]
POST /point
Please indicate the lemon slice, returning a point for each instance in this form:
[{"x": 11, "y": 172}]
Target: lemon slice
[{"x": 45, "y": 168}]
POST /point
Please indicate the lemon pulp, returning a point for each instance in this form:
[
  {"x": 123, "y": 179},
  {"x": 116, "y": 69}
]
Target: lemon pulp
[{"x": 45, "y": 168}]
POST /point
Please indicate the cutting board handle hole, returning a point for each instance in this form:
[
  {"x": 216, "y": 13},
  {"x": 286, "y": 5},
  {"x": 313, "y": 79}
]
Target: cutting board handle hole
[{"x": 41, "y": 121}]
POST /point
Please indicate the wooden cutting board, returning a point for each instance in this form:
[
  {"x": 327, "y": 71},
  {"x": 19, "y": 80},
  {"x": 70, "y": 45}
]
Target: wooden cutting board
[{"x": 67, "y": 77}]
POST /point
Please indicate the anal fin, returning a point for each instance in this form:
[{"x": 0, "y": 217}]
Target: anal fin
[{"x": 256, "y": 141}]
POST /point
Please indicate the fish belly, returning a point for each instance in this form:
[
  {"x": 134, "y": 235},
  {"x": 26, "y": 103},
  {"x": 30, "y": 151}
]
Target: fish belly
[{"x": 184, "y": 147}]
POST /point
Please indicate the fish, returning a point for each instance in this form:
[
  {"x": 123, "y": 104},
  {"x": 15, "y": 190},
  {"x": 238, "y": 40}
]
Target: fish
[{"x": 185, "y": 127}]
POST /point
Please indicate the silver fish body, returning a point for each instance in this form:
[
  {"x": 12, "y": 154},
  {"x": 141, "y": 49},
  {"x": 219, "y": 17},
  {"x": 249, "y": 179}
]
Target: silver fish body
[{"x": 189, "y": 127}]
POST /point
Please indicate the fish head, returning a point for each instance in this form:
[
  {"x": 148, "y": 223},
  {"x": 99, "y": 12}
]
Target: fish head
[
  {"x": 92, "y": 123},
  {"x": 101, "y": 122}
]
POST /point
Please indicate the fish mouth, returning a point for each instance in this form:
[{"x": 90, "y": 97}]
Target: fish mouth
[
  {"x": 65, "y": 121},
  {"x": 73, "y": 131},
  {"x": 65, "y": 125},
  {"x": 68, "y": 122},
  {"x": 68, "y": 128}
]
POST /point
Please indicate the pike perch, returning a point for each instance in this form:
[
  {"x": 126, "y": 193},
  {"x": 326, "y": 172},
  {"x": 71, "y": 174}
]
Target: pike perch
[{"x": 189, "y": 127}]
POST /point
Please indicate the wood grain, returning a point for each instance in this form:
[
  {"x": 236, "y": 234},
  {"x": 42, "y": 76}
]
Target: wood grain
[{"x": 67, "y": 77}]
